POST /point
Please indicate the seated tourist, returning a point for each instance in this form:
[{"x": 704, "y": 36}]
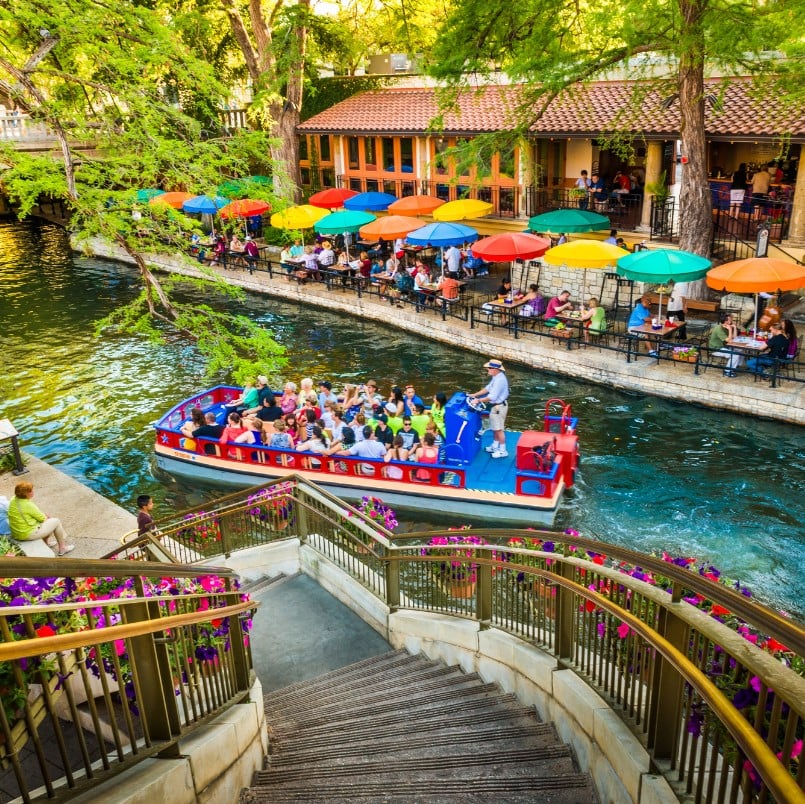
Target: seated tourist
[
  {"x": 594, "y": 318},
  {"x": 209, "y": 429},
  {"x": 234, "y": 428},
  {"x": 641, "y": 314},
  {"x": 263, "y": 391},
  {"x": 270, "y": 411},
  {"x": 247, "y": 400},
  {"x": 196, "y": 420},
  {"x": 396, "y": 452},
  {"x": 776, "y": 349},
  {"x": 558, "y": 304},
  {"x": 724, "y": 331},
  {"x": 411, "y": 400},
  {"x": 369, "y": 447},
  {"x": 535, "y": 304},
  {"x": 448, "y": 287},
  {"x": 281, "y": 438},
  {"x": 253, "y": 434},
  {"x": 316, "y": 443},
  {"x": 426, "y": 452},
  {"x": 383, "y": 432},
  {"x": 420, "y": 419},
  {"x": 410, "y": 437},
  {"x": 288, "y": 401}
]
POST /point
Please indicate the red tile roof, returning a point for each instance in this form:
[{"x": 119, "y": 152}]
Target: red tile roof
[{"x": 579, "y": 112}]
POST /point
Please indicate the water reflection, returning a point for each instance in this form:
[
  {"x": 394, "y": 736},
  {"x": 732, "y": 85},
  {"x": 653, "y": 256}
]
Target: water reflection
[{"x": 655, "y": 474}]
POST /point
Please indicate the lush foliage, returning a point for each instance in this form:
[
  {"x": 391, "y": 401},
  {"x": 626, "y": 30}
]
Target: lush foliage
[{"x": 208, "y": 639}]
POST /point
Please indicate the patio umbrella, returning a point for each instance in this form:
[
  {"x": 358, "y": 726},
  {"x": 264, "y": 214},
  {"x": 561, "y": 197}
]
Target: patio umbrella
[
  {"x": 147, "y": 193},
  {"x": 244, "y": 208},
  {"x": 584, "y": 254},
  {"x": 298, "y": 217},
  {"x": 663, "y": 265},
  {"x": 568, "y": 220},
  {"x": 415, "y": 205},
  {"x": 342, "y": 222},
  {"x": 441, "y": 235},
  {"x": 511, "y": 246},
  {"x": 370, "y": 201},
  {"x": 756, "y": 275},
  {"x": 390, "y": 227},
  {"x": 332, "y": 198},
  {"x": 205, "y": 204},
  {"x": 175, "y": 200},
  {"x": 463, "y": 209}
]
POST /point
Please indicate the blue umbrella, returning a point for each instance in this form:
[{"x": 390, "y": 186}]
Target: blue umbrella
[
  {"x": 205, "y": 204},
  {"x": 442, "y": 234},
  {"x": 370, "y": 201}
]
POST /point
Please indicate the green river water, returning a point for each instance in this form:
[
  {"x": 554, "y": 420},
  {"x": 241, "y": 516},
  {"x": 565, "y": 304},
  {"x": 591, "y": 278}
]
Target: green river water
[{"x": 656, "y": 475}]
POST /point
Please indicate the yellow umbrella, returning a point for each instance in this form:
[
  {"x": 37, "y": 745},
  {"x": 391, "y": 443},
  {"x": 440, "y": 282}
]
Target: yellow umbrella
[
  {"x": 463, "y": 209},
  {"x": 584, "y": 254},
  {"x": 299, "y": 217}
]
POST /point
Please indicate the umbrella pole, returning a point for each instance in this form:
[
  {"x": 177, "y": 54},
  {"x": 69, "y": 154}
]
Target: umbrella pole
[
  {"x": 757, "y": 301},
  {"x": 659, "y": 311}
]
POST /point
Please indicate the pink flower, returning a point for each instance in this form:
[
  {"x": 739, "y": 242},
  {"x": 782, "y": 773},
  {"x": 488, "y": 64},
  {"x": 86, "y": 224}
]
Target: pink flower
[
  {"x": 120, "y": 646},
  {"x": 623, "y": 631}
]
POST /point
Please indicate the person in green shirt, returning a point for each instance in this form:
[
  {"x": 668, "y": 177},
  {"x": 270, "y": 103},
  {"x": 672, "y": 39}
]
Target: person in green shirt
[
  {"x": 595, "y": 318},
  {"x": 26, "y": 521},
  {"x": 419, "y": 420},
  {"x": 722, "y": 332}
]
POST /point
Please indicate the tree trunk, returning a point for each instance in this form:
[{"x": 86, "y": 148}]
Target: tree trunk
[{"x": 695, "y": 205}]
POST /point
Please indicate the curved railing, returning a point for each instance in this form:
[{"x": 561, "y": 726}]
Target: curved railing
[
  {"x": 117, "y": 662},
  {"x": 709, "y": 679}
]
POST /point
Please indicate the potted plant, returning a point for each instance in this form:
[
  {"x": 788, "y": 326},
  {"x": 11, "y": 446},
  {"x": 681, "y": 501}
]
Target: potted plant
[
  {"x": 201, "y": 531},
  {"x": 375, "y": 509},
  {"x": 685, "y": 353},
  {"x": 271, "y": 508},
  {"x": 456, "y": 571}
]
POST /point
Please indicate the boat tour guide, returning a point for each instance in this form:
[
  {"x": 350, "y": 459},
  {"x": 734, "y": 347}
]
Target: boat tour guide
[{"x": 496, "y": 395}]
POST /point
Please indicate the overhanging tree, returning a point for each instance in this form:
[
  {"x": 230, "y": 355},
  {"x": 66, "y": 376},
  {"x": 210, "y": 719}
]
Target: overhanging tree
[
  {"x": 104, "y": 82},
  {"x": 670, "y": 45}
]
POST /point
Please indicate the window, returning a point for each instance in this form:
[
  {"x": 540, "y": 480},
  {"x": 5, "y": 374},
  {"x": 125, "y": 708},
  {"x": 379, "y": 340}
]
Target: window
[
  {"x": 506, "y": 163},
  {"x": 327, "y": 177},
  {"x": 325, "y": 149},
  {"x": 303, "y": 152},
  {"x": 465, "y": 168},
  {"x": 440, "y": 161},
  {"x": 407, "y": 154},
  {"x": 372, "y": 185},
  {"x": 353, "y": 157},
  {"x": 305, "y": 173},
  {"x": 389, "y": 162},
  {"x": 356, "y": 185},
  {"x": 370, "y": 153}
]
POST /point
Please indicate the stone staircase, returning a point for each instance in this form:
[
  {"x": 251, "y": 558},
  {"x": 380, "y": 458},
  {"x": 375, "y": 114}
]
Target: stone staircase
[{"x": 399, "y": 728}]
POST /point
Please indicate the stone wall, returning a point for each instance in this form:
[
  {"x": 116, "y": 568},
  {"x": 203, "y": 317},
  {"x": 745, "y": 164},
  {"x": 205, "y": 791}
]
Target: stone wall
[{"x": 670, "y": 381}]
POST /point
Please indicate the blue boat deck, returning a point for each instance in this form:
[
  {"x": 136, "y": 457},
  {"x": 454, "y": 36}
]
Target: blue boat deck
[{"x": 493, "y": 474}]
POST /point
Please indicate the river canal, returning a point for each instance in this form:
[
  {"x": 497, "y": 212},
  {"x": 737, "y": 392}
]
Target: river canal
[{"x": 656, "y": 475}]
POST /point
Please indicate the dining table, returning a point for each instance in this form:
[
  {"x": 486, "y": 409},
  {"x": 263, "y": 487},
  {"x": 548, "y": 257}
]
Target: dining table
[{"x": 654, "y": 333}]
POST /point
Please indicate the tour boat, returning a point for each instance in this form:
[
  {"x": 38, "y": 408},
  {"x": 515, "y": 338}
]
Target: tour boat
[{"x": 524, "y": 488}]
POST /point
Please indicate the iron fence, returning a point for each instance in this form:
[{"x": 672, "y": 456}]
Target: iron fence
[
  {"x": 710, "y": 680},
  {"x": 106, "y": 663}
]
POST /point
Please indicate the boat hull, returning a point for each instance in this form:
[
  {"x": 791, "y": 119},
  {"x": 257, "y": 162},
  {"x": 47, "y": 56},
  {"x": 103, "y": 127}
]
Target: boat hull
[{"x": 476, "y": 504}]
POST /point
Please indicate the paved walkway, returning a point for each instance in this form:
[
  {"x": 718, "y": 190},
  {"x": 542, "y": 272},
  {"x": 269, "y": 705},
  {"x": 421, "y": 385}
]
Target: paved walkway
[
  {"x": 301, "y": 631},
  {"x": 92, "y": 522}
]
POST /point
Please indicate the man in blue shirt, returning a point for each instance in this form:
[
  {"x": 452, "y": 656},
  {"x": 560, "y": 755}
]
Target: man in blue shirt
[
  {"x": 496, "y": 394},
  {"x": 641, "y": 315}
]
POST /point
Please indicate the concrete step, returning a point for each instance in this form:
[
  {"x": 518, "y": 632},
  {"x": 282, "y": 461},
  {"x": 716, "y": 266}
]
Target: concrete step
[
  {"x": 379, "y": 664},
  {"x": 404, "y": 739},
  {"x": 425, "y": 677},
  {"x": 399, "y": 728},
  {"x": 254, "y": 587}
]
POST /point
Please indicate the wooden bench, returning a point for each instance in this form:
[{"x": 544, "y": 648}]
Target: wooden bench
[{"x": 704, "y": 305}]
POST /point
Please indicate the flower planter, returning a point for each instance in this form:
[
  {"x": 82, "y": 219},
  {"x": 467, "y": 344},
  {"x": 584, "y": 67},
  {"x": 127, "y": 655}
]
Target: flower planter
[
  {"x": 685, "y": 358},
  {"x": 561, "y": 333},
  {"x": 461, "y": 589}
]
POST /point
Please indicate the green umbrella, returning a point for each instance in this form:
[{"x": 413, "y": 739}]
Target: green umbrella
[
  {"x": 568, "y": 220},
  {"x": 340, "y": 222},
  {"x": 663, "y": 265},
  {"x": 148, "y": 193},
  {"x": 233, "y": 188}
]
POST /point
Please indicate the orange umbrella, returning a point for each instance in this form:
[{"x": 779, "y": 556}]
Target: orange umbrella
[
  {"x": 390, "y": 228},
  {"x": 175, "y": 200},
  {"x": 415, "y": 205},
  {"x": 244, "y": 208},
  {"x": 755, "y": 275}
]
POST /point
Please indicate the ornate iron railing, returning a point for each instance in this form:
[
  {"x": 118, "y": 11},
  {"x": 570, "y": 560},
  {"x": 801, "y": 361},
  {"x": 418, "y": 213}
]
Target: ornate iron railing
[
  {"x": 714, "y": 689},
  {"x": 117, "y": 663}
]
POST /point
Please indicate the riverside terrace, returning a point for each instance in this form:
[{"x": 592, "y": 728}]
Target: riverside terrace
[{"x": 467, "y": 324}]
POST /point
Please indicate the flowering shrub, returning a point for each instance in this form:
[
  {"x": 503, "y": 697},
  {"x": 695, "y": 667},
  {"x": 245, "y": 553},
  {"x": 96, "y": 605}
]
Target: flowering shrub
[
  {"x": 273, "y": 505},
  {"x": 207, "y": 639},
  {"x": 458, "y": 549},
  {"x": 200, "y": 529},
  {"x": 685, "y": 352},
  {"x": 378, "y": 511}
]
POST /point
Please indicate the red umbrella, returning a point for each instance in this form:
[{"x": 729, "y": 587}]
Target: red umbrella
[
  {"x": 415, "y": 205},
  {"x": 510, "y": 246},
  {"x": 175, "y": 200},
  {"x": 244, "y": 208},
  {"x": 331, "y": 198}
]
